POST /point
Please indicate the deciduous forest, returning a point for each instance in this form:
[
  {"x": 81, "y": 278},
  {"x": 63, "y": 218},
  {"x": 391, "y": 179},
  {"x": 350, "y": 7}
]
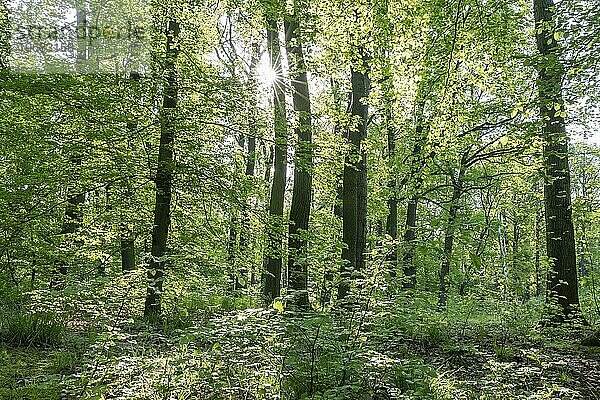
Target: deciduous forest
[{"x": 324, "y": 199}]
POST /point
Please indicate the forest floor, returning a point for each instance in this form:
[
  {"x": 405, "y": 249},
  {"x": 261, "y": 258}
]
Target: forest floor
[{"x": 266, "y": 354}]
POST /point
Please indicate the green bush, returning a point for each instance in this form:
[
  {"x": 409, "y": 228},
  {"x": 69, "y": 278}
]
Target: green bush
[{"x": 37, "y": 329}]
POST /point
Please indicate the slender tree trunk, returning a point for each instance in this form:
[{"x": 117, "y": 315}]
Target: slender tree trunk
[
  {"x": 164, "y": 177},
  {"x": 73, "y": 217},
  {"x": 410, "y": 237},
  {"x": 449, "y": 239},
  {"x": 391, "y": 223},
  {"x": 410, "y": 234},
  {"x": 562, "y": 288},
  {"x": 250, "y": 170},
  {"x": 302, "y": 192},
  {"x": 538, "y": 280},
  {"x": 355, "y": 183},
  {"x": 273, "y": 260},
  {"x": 127, "y": 249},
  {"x": 126, "y": 238}
]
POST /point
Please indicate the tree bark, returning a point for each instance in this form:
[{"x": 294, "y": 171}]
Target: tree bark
[
  {"x": 250, "y": 168},
  {"x": 355, "y": 183},
  {"x": 164, "y": 177},
  {"x": 391, "y": 223},
  {"x": 126, "y": 238},
  {"x": 273, "y": 259},
  {"x": 561, "y": 290},
  {"x": 449, "y": 238},
  {"x": 410, "y": 237},
  {"x": 302, "y": 191}
]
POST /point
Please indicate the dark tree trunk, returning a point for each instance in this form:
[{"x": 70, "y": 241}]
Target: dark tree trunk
[
  {"x": 449, "y": 238},
  {"x": 538, "y": 280},
  {"x": 245, "y": 228},
  {"x": 562, "y": 288},
  {"x": 410, "y": 234},
  {"x": 127, "y": 249},
  {"x": 126, "y": 238},
  {"x": 302, "y": 192},
  {"x": 410, "y": 237},
  {"x": 391, "y": 223},
  {"x": 355, "y": 184},
  {"x": 273, "y": 259},
  {"x": 164, "y": 178},
  {"x": 73, "y": 217}
]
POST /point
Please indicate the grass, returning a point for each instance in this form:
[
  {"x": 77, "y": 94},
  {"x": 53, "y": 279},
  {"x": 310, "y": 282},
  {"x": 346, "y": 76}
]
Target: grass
[{"x": 31, "y": 329}]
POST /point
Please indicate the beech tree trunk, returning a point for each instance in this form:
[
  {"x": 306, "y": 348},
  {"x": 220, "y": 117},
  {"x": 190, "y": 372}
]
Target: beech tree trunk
[
  {"x": 391, "y": 223},
  {"x": 302, "y": 191},
  {"x": 164, "y": 177},
  {"x": 273, "y": 259},
  {"x": 250, "y": 168},
  {"x": 354, "y": 203},
  {"x": 126, "y": 238},
  {"x": 449, "y": 238},
  {"x": 410, "y": 234},
  {"x": 561, "y": 287},
  {"x": 410, "y": 237}
]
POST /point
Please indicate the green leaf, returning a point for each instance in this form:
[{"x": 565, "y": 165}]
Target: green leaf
[
  {"x": 475, "y": 260},
  {"x": 278, "y": 305}
]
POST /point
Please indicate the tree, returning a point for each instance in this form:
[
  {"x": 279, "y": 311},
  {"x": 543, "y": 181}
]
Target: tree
[
  {"x": 274, "y": 255},
  {"x": 164, "y": 176},
  {"x": 562, "y": 286},
  {"x": 302, "y": 191},
  {"x": 354, "y": 205}
]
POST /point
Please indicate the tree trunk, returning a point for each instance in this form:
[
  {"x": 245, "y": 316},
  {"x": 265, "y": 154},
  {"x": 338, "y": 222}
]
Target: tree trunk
[
  {"x": 538, "y": 280},
  {"x": 410, "y": 236},
  {"x": 302, "y": 192},
  {"x": 391, "y": 223},
  {"x": 355, "y": 184},
  {"x": 449, "y": 238},
  {"x": 245, "y": 228},
  {"x": 562, "y": 288},
  {"x": 164, "y": 178},
  {"x": 127, "y": 249},
  {"x": 126, "y": 238},
  {"x": 273, "y": 260}
]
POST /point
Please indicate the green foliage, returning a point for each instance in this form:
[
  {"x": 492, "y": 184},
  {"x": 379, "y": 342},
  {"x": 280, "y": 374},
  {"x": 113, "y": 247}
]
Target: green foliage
[{"x": 32, "y": 329}]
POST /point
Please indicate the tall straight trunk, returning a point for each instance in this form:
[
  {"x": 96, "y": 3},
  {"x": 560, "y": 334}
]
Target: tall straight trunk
[
  {"x": 126, "y": 238},
  {"x": 561, "y": 288},
  {"x": 391, "y": 223},
  {"x": 81, "y": 31},
  {"x": 410, "y": 234},
  {"x": 449, "y": 239},
  {"x": 164, "y": 177},
  {"x": 410, "y": 237},
  {"x": 302, "y": 191},
  {"x": 73, "y": 217},
  {"x": 354, "y": 208},
  {"x": 273, "y": 261},
  {"x": 250, "y": 167},
  {"x": 538, "y": 280}
]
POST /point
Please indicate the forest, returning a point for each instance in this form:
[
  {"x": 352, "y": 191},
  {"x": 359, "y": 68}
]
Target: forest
[{"x": 299, "y": 199}]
